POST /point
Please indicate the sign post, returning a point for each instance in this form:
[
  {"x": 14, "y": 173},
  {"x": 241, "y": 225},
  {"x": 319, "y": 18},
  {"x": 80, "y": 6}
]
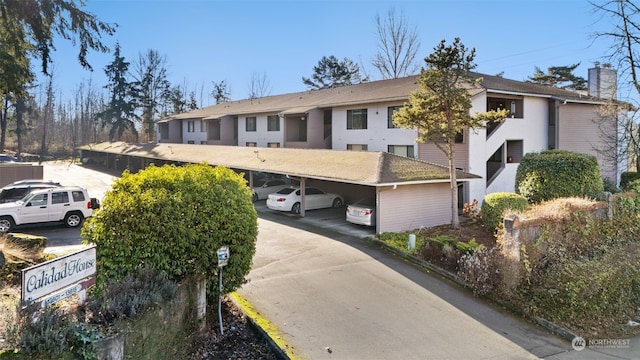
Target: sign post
[{"x": 223, "y": 260}]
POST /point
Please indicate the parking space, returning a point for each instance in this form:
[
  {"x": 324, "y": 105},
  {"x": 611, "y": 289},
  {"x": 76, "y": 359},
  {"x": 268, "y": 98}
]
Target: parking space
[{"x": 331, "y": 219}]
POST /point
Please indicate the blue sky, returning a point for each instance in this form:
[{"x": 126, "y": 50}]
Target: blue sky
[{"x": 214, "y": 40}]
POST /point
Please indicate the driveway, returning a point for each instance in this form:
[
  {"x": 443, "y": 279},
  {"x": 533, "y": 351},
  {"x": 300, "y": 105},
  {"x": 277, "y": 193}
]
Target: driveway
[{"x": 334, "y": 295}]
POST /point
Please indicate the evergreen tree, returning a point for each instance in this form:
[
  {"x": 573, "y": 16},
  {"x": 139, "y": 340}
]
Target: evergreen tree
[
  {"x": 220, "y": 93},
  {"x": 559, "y": 77},
  {"x": 439, "y": 108},
  {"x": 331, "y": 72},
  {"x": 119, "y": 113}
]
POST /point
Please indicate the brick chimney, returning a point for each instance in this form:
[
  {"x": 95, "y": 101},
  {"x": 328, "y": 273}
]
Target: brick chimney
[{"x": 602, "y": 81}]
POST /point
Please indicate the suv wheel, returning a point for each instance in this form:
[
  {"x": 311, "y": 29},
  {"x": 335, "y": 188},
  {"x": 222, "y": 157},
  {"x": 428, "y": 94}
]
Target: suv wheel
[
  {"x": 73, "y": 219},
  {"x": 6, "y": 224}
]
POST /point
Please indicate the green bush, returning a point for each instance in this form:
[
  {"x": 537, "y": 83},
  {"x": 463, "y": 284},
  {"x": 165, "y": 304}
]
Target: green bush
[
  {"x": 174, "y": 219},
  {"x": 556, "y": 173},
  {"x": 627, "y": 177},
  {"x": 633, "y": 186},
  {"x": 495, "y": 204}
]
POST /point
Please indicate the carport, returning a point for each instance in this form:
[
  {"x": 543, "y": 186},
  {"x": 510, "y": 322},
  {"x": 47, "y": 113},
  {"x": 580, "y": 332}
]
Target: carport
[{"x": 409, "y": 193}]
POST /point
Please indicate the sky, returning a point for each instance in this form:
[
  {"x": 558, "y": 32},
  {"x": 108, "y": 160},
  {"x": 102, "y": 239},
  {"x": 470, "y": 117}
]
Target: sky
[{"x": 224, "y": 40}]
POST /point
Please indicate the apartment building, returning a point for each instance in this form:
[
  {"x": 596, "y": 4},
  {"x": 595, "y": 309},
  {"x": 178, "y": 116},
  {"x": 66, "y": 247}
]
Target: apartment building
[{"x": 358, "y": 118}]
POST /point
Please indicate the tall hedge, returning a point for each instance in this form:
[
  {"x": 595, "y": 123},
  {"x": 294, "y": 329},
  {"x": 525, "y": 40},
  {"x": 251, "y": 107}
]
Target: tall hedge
[
  {"x": 554, "y": 174},
  {"x": 175, "y": 219}
]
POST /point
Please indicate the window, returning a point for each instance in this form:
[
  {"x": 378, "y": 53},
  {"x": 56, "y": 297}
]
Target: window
[
  {"x": 39, "y": 200},
  {"x": 273, "y": 123},
  {"x": 190, "y": 142},
  {"x": 357, "y": 147},
  {"x": 515, "y": 106},
  {"x": 401, "y": 150},
  {"x": 60, "y": 197},
  {"x": 250, "y": 123},
  {"x": 77, "y": 195},
  {"x": 356, "y": 119},
  {"x": 191, "y": 126},
  {"x": 459, "y": 137},
  {"x": 273, "y": 144},
  {"x": 390, "y": 111},
  {"x": 251, "y": 144},
  {"x": 203, "y": 126}
]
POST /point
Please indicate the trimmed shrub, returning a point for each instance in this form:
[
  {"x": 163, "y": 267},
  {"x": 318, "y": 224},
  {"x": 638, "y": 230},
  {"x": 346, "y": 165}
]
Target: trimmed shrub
[
  {"x": 633, "y": 186},
  {"x": 174, "y": 219},
  {"x": 495, "y": 204},
  {"x": 627, "y": 177},
  {"x": 556, "y": 173}
]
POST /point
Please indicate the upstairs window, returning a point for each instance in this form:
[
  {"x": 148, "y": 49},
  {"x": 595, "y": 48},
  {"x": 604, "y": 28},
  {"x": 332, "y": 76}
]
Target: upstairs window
[
  {"x": 191, "y": 126},
  {"x": 390, "y": 111},
  {"x": 273, "y": 123},
  {"x": 250, "y": 123},
  {"x": 357, "y": 119},
  {"x": 401, "y": 150}
]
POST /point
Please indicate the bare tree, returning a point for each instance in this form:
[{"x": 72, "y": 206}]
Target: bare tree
[
  {"x": 47, "y": 118},
  {"x": 624, "y": 34},
  {"x": 259, "y": 86},
  {"x": 150, "y": 73},
  {"x": 398, "y": 46}
]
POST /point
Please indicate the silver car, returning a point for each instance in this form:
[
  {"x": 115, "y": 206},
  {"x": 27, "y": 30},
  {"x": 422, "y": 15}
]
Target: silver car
[{"x": 362, "y": 212}]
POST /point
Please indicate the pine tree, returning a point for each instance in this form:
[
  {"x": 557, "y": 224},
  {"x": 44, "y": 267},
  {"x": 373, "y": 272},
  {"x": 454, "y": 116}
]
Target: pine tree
[
  {"x": 331, "y": 72},
  {"x": 439, "y": 108},
  {"x": 119, "y": 113}
]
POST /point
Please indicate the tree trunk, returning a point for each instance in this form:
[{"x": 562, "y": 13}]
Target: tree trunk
[
  {"x": 3, "y": 122},
  {"x": 455, "y": 221}
]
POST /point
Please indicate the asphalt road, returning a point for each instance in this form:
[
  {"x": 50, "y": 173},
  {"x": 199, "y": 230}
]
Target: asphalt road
[{"x": 334, "y": 295}]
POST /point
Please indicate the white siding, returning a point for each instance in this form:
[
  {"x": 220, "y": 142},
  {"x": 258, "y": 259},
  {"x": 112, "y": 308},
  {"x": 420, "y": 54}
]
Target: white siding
[
  {"x": 410, "y": 207},
  {"x": 197, "y": 136},
  {"x": 377, "y": 136},
  {"x": 531, "y": 129}
]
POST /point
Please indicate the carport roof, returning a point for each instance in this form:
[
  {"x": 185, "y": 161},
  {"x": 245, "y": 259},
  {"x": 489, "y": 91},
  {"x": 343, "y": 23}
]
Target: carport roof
[{"x": 374, "y": 168}]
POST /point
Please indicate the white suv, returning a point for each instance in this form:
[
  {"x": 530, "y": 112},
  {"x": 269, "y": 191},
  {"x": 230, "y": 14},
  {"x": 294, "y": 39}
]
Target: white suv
[{"x": 70, "y": 204}]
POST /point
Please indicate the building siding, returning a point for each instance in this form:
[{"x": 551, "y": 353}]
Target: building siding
[
  {"x": 378, "y": 136},
  {"x": 579, "y": 132},
  {"x": 411, "y": 207}
]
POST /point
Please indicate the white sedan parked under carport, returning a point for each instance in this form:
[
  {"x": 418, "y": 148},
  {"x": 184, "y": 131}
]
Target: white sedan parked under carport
[{"x": 289, "y": 199}]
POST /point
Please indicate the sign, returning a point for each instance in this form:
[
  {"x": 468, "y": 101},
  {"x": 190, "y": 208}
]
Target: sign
[
  {"x": 45, "y": 278},
  {"x": 223, "y": 256},
  {"x": 65, "y": 293}
]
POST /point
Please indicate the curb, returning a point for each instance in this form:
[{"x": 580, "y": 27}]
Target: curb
[
  {"x": 552, "y": 327},
  {"x": 262, "y": 325}
]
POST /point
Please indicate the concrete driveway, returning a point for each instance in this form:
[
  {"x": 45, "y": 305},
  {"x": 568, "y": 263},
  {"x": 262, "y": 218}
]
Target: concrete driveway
[{"x": 334, "y": 295}]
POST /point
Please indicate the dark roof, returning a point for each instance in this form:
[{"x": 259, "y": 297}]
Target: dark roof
[
  {"x": 366, "y": 93},
  {"x": 497, "y": 84},
  {"x": 359, "y": 167}
]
